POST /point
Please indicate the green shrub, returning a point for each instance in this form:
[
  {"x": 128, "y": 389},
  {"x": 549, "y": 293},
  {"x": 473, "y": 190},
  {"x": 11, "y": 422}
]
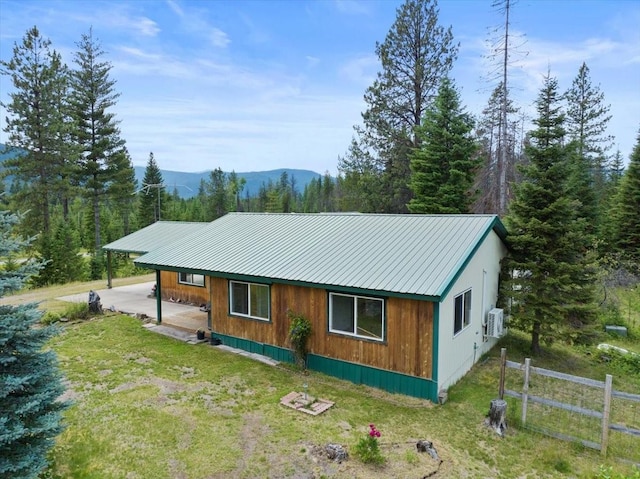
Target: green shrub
[
  {"x": 299, "y": 332},
  {"x": 367, "y": 448},
  {"x": 50, "y": 317}
]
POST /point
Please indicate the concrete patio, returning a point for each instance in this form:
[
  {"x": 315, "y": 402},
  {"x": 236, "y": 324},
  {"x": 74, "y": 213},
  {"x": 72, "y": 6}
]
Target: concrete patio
[{"x": 135, "y": 300}]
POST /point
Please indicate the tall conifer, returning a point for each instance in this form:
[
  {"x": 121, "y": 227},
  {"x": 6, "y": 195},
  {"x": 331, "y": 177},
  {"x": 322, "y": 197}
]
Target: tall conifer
[
  {"x": 550, "y": 281},
  {"x": 443, "y": 167}
]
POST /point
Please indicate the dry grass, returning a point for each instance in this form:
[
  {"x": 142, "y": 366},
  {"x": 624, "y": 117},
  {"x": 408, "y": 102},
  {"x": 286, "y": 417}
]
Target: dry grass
[{"x": 147, "y": 406}]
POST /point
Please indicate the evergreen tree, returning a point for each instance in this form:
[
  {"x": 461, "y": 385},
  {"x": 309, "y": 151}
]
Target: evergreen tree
[
  {"x": 550, "y": 282},
  {"x": 415, "y": 55},
  {"x": 627, "y": 204},
  {"x": 37, "y": 124},
  {"x": 121, "y": 190},
  {"x": 151, "y": 195},
  {"x": 443, "y": 167},
  {"x": 587, "y": 120},
  {"x": 30, "y": 382},
  {"x": 217, "y": 195},
  {"x": 62, "y": 249},
  {"x": 104, "y": 161}
]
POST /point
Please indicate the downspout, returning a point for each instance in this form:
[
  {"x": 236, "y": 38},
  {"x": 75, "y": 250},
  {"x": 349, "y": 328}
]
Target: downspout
[{"x": 158, "y": 297}]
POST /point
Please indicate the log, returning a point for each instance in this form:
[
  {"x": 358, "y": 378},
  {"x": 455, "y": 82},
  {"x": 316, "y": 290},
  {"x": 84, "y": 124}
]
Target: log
[{"x": 497, "y": 417}]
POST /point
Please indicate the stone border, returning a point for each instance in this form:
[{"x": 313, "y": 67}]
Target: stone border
[{"x": 305, "y": 403}]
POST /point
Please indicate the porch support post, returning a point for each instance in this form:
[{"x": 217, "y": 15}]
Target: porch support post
[
  {"x": 109, "y": 269},
  {"x": 158, "y": 297}
]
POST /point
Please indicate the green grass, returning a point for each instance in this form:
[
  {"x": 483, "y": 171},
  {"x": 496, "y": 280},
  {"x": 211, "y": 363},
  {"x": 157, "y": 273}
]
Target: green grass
[{"x": 147, "y": 406}]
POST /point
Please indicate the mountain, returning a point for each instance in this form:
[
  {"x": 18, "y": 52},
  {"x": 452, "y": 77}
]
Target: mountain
[{"x": 187, "y": 184}]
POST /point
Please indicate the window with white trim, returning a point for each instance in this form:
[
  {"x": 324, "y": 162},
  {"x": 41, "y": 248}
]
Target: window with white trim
[
  {"x": 357, "y": 316},
  {"x": 462, "y": 311},
  {"x": 249, "y": 299},
  {"x": 190, "y": 278}
]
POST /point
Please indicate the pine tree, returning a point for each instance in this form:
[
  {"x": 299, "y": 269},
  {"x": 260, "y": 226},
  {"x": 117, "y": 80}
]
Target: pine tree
[
  {"x": 217, "y": 195},
  {"x": 443, "y": 167},
  {"x": 627, "y": 204},
  {"x": 104, "y": 158},
  {"x": 587, "y": 121},
  {"x": 37, "y": 124},
  {"x": 152, "y": 194},
  {"x": 550, "y": 282},
  {"x": 30, "y": 382},
  {"x": 415, "y": 55}
]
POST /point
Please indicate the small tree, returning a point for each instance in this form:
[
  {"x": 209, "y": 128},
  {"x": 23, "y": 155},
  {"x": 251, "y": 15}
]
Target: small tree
[
  {"x": 299, "y": 332},
  {"x": 30, "y": 383}
]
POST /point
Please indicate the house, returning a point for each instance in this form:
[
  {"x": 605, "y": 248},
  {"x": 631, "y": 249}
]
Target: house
[{"x": 405, "y": 303}]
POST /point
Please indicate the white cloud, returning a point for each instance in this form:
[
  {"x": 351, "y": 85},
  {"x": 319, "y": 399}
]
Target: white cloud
[
  {"x": 361, "y": 70},
  {"x": 219, "y": 38}
]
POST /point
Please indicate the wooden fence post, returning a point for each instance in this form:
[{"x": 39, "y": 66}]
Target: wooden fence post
[
  {"x": 503, "y": 367},
  {"x": 606, "y": 414},
  {"x": 525, "y": 389}
]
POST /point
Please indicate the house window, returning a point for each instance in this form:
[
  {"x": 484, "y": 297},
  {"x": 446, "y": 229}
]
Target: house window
[
  {"x": 462, "y": 315},
  {"x": 356, "y": 316},
  {"x": 249, "y": 299},
  {"x": 189, "y": 278}
]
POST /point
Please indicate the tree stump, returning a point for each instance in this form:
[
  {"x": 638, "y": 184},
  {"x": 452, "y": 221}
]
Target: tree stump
[{"x": 497, "y": 417}]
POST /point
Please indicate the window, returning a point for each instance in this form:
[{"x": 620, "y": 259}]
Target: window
[
  {"x": 356, "y": 316},
  {"x": 189, "y": 278},
  {"x": 249, "y": 299},
  {"x": 462, "y": 314}
]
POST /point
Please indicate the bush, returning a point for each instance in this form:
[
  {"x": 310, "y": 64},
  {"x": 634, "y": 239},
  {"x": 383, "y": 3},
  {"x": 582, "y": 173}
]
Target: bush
[
  {"x": 50, "y": 317},
  {"x": 367, "y": 449},
  {"x": 299, "y": 332}
]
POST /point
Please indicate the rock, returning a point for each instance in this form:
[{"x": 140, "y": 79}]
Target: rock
[
  {"x": 427, "y": 446},
  {"x": 336, "y": 452}
]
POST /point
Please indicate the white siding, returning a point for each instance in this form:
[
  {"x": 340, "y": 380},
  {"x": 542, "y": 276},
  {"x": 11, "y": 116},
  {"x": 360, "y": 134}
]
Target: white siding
[{"x": 456, "y": 355}]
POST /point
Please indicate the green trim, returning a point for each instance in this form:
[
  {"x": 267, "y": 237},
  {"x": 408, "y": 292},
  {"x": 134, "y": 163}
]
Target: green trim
[
  {"x": 493, "y": 226},
  {"x": 357, "y": 373},
  {"x": 274, "y": 352},
  {"x": 434, "y": 346},
  {"x": 390, "y": 381}
]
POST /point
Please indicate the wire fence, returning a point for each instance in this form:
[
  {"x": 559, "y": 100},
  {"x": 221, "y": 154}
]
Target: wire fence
[{"x": 573, "y": 408}]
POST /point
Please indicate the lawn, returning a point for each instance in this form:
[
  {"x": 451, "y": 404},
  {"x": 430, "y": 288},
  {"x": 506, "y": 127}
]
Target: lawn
[{"x": 148, "y": 406}]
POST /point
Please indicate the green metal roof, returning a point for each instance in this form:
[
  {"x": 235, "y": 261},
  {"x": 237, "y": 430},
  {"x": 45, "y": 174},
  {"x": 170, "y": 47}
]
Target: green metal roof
[
  {"x": 417, "y": 255},
  {"x": 154, "y": 236}
]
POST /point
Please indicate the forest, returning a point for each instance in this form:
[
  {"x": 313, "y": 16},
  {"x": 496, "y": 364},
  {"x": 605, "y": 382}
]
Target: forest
[{"x": 570, "y": 205}]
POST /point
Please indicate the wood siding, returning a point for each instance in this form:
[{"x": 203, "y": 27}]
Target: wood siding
[
  {"x": 186, "y": 293},
  {"x": 409, "y": 328}
]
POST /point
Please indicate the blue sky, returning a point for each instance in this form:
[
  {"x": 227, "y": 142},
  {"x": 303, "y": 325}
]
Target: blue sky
[{"x": 259, "y": 85}]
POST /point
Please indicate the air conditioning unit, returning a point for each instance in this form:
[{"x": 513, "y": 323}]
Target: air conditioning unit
[{"x": 495, "y": 323}]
